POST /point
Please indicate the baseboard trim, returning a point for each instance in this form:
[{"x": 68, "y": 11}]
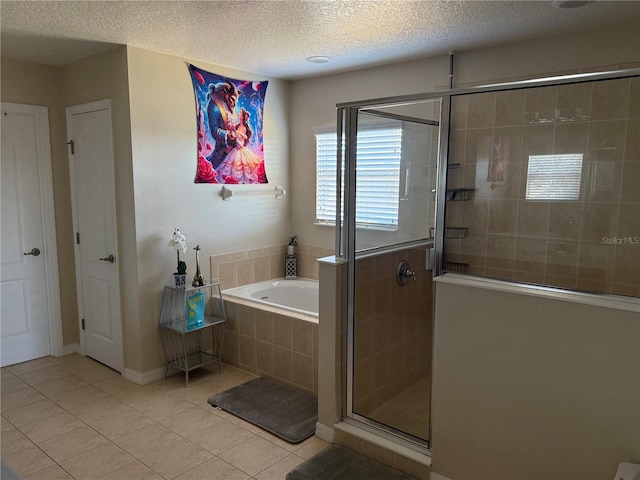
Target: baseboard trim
[
  {"x": 325, "y": 433},
  {"x": 143, "y": 378},
  {"x": 69, "y": 349}
]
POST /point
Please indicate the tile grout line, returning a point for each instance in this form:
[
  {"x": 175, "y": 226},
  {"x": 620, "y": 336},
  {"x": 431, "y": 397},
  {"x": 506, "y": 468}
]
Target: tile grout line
[
  {"x": 85, "y": 424},
  {"x": 170, "y": 392}
]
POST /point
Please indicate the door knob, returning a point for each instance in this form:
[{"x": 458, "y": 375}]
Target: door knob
[
  {"x": 109, "y": 259},
  {"x": 34, "y": 251}
]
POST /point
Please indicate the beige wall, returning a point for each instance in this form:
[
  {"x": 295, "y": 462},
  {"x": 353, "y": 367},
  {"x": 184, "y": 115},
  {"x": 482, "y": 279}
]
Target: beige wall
[
  {"x": 601, "y": 49},
  {"x": 155, "y": 157},
  {"x": 531, "y": 387},
  {"x": 33, "y": 84},
  {"x": 313, "y": 104},
  {"x": 164, "y": 154},
  {"x": 96, "y": 78}
]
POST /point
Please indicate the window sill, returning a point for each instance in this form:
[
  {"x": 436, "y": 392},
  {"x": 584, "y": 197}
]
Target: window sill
[{"x": 380, "y": 228}]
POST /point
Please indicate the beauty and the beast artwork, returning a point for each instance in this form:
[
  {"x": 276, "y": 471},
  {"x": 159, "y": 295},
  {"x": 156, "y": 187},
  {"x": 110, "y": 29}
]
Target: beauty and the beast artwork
[{"x": 230, "y": 121}]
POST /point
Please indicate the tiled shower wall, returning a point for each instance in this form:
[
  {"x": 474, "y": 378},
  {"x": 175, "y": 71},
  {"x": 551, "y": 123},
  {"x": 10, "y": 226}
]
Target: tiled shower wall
[
  {"x": 392, "y": 347},
  {"x": 592, "y": 243},
  {"x": 260, "y": 264}
]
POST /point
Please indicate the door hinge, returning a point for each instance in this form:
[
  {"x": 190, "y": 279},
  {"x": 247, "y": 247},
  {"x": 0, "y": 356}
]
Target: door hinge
[
  {"x": 78, "y": 238},
  {"x": 83, "y": 323},
  {"x": 70, "y": 142}
]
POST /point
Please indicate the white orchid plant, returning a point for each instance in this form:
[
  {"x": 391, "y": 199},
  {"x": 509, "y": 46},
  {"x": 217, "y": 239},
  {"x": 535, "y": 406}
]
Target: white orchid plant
[{"x": 179, "y": 242}]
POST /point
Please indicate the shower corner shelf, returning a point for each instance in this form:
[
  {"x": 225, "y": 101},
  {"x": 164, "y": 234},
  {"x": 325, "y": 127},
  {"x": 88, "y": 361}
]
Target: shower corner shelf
[
  {"x": 183, "y": 344},
  {"x": 460, "y": 194},
  {"x": 452, "y": 232},
  {"x": 455, "y": 267}
]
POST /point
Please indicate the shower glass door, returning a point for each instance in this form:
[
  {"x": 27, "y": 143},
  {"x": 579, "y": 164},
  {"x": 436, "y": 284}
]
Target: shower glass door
[{"x": 391, "y": 226}]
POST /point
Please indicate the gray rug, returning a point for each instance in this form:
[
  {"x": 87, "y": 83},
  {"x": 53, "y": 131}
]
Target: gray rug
[
  {"x": 337, "y": 463},
  {"x": 7, "y": 473},
  {"x": 288, "y": 413}
]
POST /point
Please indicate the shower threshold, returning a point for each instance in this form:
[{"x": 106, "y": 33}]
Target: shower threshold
[{"x": 387, "y": 441}]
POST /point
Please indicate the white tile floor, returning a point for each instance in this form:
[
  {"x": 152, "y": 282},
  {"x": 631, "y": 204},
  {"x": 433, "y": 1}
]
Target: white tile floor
[{"x": 73, "y": 418}]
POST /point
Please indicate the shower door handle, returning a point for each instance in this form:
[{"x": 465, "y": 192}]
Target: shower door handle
[{"x": 430, "y": 260}]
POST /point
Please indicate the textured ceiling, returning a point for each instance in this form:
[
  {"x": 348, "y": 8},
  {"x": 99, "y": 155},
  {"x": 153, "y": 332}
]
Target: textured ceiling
[{"x": 274, "y": 37}]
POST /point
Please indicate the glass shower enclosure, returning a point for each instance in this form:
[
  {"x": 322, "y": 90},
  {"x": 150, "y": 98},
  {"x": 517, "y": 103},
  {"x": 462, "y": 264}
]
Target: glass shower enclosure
[
  {"x": 389, "y": 182},
  {"x": 532, "y": 182}
]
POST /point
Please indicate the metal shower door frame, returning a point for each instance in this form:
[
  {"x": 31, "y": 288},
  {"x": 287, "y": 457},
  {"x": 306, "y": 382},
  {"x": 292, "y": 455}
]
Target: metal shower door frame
[
  {"x": 345, "y": 239},
  {"x": 347, "y": 121}
]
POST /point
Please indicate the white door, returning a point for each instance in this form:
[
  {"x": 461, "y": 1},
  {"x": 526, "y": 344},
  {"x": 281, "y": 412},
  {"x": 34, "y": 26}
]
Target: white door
[
  {"x": 28, "y": 259},
  {"x": 93, "y": 193}
]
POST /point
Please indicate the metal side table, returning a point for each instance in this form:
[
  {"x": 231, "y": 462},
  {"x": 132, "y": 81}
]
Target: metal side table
[{"x": 192, "y": 342}]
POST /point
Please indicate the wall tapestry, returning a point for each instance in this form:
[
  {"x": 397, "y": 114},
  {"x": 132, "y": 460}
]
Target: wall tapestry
[{"x": 230, "y": 121}]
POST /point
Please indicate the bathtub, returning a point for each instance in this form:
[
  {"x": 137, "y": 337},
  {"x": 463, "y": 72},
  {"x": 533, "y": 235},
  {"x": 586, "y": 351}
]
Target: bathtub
[{"x": 294, "y": 298}]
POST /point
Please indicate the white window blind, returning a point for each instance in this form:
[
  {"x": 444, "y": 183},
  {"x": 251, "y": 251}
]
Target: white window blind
[
  {"x": 554, "y": 177},
  {"x": 377, "y": 177},
  {"x": 326, "y": 181}
]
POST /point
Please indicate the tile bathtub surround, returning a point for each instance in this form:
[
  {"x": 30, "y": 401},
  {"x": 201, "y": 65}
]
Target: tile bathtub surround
[
  {"x": 272, "y": 345},
  {"x": 73, "y": 418},
  {"x": 251, "y": 266}
]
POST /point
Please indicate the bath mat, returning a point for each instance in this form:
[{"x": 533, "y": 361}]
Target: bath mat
[
  {"x": 338, "y": 463},
  {"x": 7, "y": 473},
  {"x": 287, "y": 413}
]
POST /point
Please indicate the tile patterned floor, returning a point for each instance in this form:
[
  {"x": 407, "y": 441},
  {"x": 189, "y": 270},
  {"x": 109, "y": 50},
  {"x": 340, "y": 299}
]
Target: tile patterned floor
[{"x": 73, "y": 418}]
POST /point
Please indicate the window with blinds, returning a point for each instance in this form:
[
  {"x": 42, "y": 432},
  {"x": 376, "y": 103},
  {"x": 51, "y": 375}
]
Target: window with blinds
[
  {"x": 554, "y": 177},
  {"x": 377, "y": 177}
]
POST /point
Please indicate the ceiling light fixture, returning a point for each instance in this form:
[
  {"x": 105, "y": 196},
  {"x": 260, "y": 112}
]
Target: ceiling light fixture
[
  {"x": 569, "y": 3},
  {"x": 318, "y": 59}
]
